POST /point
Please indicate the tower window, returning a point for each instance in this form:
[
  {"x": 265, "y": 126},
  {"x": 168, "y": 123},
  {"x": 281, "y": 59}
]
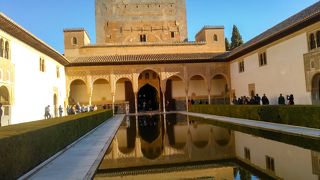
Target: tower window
[
  {"x": 58, "y": 71},
  {"x": 241, "y": 66},
  {"x": 172, "y": 35},
  {"x": 247, "y": 153},
  {"x": 6, "y": 50},
  {"x": 263, "y": 59},
  {"x": 42, "y": 65},
  {"x": 312, "y": 41},
  {"x": 1, "y": 47},
  {"x": 143, "y": 38},
  {"x": 215, "y": 37},
  {"x": 74, "y": 41},
  {"x": 318, "y": 39},
  {"x": 270, "y": 164}
]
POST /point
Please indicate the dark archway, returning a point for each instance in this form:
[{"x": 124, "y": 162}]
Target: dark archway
[
  {"x": 4, "y": 96},
  {"x": 148, "y": 99},
  {"x": 316, "y": 89}
]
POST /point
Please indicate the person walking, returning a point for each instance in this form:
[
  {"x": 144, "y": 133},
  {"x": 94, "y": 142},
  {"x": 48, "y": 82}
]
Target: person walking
[
  {"x": 47, "y": 114},
  {"x": 1, "y": 112},
  {"x": 281, "y": 100},
  {"x": 265, "y": 100}
]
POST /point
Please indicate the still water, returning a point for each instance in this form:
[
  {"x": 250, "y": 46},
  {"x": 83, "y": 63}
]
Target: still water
[{"x": 175, "y": 146}]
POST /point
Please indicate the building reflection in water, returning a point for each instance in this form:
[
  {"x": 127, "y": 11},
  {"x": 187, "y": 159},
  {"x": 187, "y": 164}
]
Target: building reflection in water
[
  {"x": 166, "y": 139},
  {"x": 169, "y": 142}
]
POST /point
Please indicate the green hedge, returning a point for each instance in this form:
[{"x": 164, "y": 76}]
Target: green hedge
[
  {"x": 298, "y": 115},
  {"x": 24, "y": 146}
]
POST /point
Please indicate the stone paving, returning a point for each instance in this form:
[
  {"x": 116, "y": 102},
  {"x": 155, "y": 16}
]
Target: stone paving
[
  {"x": 287, "y": 129},
  {"x": 81, "y": 160}
]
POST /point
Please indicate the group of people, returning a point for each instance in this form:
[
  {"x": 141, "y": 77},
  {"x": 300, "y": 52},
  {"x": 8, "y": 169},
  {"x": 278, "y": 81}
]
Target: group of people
[
  {"x": 257, "y": 100},
  {"x": 71, "y": 109},
  {"x": 77, "y": 109}
]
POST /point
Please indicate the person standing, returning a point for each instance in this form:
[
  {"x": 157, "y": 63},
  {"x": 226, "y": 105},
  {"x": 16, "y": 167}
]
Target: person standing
[
  {"x": 281, "y": 100},
  {"x": 257, "y": 99},
  {"x": 60, "y": 111},
  {"x": 291, "y": 99},
  {"x": 1, "y": 112},
  {"x": 265, "y": 100}
]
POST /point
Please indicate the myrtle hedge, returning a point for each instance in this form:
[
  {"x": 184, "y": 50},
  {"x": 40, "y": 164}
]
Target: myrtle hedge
[
  {"x": 24, "y": 146},
  {"x": 298, "y": 115}
]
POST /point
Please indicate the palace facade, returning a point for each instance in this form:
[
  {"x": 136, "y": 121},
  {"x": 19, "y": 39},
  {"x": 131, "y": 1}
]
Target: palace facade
[{"x": 143, "y": 59}]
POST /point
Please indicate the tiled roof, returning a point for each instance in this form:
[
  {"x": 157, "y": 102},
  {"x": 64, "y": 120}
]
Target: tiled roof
[
  {"x": 146, "y": 59},
  {"x": 10, "y": 27},
  {"x": 282, "y": 29}
]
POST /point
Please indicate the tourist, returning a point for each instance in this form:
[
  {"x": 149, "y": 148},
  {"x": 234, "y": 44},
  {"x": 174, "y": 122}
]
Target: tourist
[
  {"x": 47, "y": 114},
  {"x": 234, "y": 101},
  {"x": 78, "y": 108},
  {"x": 291, "y": 99},
  {"x": 1, "y": 112},
  {"x": 192, "y": 101},
  {"x": 281, "y": 100},
  {"x": 265, "y": 100},
  {"x": 257, "y": 99},
  {"x": 60, "y": 110},
  {"x": 252, "y": 100}
]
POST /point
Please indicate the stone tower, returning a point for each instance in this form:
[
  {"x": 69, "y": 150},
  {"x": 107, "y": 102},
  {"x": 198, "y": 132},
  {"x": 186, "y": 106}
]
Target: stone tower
[{"x": 134, "y": 21}]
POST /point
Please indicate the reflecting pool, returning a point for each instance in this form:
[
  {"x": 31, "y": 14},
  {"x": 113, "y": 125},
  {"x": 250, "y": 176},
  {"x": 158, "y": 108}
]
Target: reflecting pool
[{"x": 175, "y": 146}]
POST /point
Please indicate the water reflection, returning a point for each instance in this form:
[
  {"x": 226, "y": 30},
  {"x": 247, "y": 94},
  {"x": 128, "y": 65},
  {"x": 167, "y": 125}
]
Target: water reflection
[{"x": 173, "y": 146}]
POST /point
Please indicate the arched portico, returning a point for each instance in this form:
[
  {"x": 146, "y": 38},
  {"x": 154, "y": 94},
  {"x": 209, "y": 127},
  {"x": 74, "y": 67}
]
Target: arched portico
[
  {"x": 78, "y": 92},
  {"x": 198, "y": 90},
  {"x": 219, "y": 90},
  {"x": 101, "y": 92},
  {"x": 150, "y": 93},
  {"x": 5, "y": 101}
]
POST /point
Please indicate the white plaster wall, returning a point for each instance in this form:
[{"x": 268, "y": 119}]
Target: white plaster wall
[
  {"x": 288, "y": 158},
  {"x": 178, "y": 89},
  {"x": 120, "y": 95},
  {"x": 284, "y": 72},
  {"x": 33, "y": 90},
  {"x": 218, "y": 87},
  {"x": 79, "y": 94},
  {"x": 101, "y": 93},
  {"x": 197, "y": 88}
]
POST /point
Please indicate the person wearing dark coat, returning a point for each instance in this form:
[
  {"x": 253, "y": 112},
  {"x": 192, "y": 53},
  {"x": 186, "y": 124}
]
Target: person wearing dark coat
[
  {"x": 281, "y": 100},
  {"x": 265, "y": 100},
  {"x": 291, "y": 99},
  {"x": 257, "y": 99}
]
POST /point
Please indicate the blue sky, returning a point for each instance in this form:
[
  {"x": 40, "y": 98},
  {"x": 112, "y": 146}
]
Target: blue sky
[{"x": 47, "y": 19}]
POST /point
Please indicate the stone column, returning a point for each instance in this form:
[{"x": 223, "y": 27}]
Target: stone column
[
  {"x": 164, "y": 102},
  {"x": 136, "y": 102},
  {"x": 113, "y": 101},
  {"x": 209, "y": 96},
  {"x": 187, "y": 100}
]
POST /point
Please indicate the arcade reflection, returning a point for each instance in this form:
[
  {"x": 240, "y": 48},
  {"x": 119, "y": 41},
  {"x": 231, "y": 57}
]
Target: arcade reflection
[{"x": 173, "y": 146}]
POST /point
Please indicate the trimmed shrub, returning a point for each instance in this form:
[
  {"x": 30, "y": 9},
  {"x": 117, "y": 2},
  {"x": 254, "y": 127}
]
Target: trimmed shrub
[
  {"x": 24, "y": 146},
  {"x": 298, "y": 115}
]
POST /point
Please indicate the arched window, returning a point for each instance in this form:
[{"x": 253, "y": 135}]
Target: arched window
[
  {"x": 312, "y": 41},
  {"x": 1, "y": 47},
  {"x": 6, "y": 50},
  {"x": 74, "y": 41},
  {"x": 215, "y": 37},
  {"x": 318, "y": 39}
]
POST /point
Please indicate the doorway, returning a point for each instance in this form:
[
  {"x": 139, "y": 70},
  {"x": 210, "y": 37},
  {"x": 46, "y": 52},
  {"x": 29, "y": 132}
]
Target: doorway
[{"x": 148, "y": 99}]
